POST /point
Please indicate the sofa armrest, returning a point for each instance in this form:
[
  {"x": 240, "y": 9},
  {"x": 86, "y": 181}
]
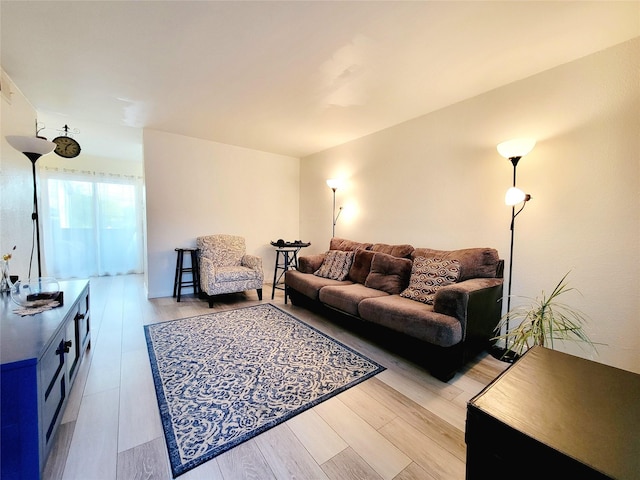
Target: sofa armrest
[
  {"x": 310, "y": 263},
  {"x": 474, "y": 302}
]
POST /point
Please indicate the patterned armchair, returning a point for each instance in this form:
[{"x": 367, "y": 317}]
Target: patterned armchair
[{"x": 226, "y": 268}]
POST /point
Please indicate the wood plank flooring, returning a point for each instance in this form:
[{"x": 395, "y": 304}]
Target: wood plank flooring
[{"x": 401, "y": 424}]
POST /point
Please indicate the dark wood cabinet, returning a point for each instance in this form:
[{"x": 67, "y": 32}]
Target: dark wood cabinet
[
  {"x": 40, "y": 358},
  {"x": 554, "y": 415}
]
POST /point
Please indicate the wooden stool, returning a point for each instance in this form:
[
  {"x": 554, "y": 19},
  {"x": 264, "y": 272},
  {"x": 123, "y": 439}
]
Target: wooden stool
[{"x": 178, "y": 283}]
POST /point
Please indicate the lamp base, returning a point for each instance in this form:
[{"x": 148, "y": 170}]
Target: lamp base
[{"x": 503, "y": 354}]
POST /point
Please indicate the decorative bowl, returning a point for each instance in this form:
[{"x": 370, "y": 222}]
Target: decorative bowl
[{"x": 35, "y": 292}]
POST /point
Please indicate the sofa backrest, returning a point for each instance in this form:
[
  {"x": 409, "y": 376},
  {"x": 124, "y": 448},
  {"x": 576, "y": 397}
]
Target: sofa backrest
[
  {"x": 474, "y": 262},
  {"x": 347, "y": 245},
  {"x": 400, "y": 251}
]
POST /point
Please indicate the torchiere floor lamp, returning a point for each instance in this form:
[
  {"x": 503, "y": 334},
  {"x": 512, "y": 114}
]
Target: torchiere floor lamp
[
  {"x": 513, "y": 150},
  {"x": 33, "y": 148},
  {"x": 333, "y": 184}
]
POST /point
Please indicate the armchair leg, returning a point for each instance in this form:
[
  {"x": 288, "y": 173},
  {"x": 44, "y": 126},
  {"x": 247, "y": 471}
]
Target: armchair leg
[
  {"x": 210, "y": 299},
  {"x": 259, "y": 290}
]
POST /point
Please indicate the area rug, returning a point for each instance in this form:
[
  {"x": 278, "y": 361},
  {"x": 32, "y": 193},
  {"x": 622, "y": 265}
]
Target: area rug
[{"x": 224, "y": 377}]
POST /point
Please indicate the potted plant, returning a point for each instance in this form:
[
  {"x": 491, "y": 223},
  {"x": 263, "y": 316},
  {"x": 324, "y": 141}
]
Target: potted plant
[{"x": 541, "y": 322}]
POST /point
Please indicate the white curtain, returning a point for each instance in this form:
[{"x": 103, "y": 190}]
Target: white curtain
[{"x": 91, "y": 223}]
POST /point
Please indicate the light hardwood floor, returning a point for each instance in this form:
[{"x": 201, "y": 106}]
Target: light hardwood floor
[{"x": 401, "y": 424}]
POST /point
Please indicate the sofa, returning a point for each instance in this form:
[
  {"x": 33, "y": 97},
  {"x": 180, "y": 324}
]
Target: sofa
[{"x": 447, "y": 303}]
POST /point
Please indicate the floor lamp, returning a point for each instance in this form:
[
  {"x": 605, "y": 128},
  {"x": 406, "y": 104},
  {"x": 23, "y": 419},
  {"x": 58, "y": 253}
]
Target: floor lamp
[
  {"x": 513, "y": 150},
  {"x": 33, "y": 148},
  {"x": 333, "y": 185}
]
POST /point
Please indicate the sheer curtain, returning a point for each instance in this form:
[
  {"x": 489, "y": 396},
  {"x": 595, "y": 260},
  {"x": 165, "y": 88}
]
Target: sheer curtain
[{"x": 91, "y": 223}]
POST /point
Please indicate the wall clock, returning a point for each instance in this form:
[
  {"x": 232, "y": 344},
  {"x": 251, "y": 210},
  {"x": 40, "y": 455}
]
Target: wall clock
[{"x": 66, "y": 147}]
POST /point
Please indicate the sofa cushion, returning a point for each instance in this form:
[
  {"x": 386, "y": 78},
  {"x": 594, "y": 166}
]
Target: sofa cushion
[
  {"x": 428, "y": 275},
  {"x": 361, "y": 266},
  {"x": 309, "y": 284},
  {"x": 474, "y": 262},
  {"x": 412, "y": 318},
  {"x": 401, "y": 251},
  {"x": 347, "y": 297},
  {"x": 388, "y": 273},
  {"x": 336, "y": 265},
  {"x": 347, "y": 245}
]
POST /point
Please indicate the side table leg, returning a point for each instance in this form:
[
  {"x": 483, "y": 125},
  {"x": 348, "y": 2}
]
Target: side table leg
[
  {"x": 275, "y": 274},
  {"x": 180, "y": 263},
  {"x": 175, "y": 279}
]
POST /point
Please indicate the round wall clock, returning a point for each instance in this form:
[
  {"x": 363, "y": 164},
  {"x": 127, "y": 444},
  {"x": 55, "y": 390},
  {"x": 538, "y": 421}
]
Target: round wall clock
[{"x": 66, "y": 147}]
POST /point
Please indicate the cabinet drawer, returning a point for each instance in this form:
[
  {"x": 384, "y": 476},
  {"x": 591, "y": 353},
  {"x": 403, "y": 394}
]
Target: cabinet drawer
[
  {"x": 53, "y": 406},
  {"x": 73, "y": 354},
  {"x": 83, "y": 330},
  {"x": 54, "y": 388},
  {"x": 51, "y": 365}
]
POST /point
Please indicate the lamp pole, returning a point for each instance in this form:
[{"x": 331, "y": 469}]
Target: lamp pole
[
  {"x": 333, "y": 184},
  {"x": 514, "y": 161},
  {"x": 34, "y": 216}
]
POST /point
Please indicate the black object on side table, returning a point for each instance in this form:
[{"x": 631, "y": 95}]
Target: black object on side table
[
  {"x": 178, "y": 282},
  {"x": 554, "y": 415},
  {"x": 286, "y": 258}
]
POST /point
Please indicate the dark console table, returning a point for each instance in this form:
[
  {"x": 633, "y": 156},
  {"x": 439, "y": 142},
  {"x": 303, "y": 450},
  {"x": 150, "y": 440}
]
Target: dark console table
[
  {"x": 554, "y": 415},
  {"x": 41, "y": 355}
]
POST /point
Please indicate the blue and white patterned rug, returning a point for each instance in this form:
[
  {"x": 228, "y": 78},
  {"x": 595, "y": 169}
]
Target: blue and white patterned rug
[{"x": 225, "y": 377}]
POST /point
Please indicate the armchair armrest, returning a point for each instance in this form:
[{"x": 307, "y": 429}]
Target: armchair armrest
[
  {"x": 207, "y": 273},
  {"x": 310, "y": 263},
  {"x": 474, "y": 302},
  {"x": 253, "y": 262}
]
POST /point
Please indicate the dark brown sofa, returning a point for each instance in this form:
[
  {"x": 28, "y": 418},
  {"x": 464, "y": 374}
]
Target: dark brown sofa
[{"x": 451, "y": 326}]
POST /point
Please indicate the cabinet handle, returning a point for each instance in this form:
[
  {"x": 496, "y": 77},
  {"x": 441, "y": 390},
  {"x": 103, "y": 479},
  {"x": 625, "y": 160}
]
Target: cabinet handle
[{"x": 64, "y": 347}]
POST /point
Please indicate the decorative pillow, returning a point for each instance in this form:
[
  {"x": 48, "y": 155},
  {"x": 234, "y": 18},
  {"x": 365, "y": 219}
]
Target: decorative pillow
[
  {"x": 388, "y": 273},
  {"x": 336, "y": 265},
  {"x": 361, "y": 266},
  {"x": 428, "y": 275}
]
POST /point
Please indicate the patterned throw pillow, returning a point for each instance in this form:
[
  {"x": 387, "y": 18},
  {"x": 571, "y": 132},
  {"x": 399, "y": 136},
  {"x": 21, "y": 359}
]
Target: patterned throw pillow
[
  {"x": 336, "y": 265},
  {"x": 428, "y": 275}
]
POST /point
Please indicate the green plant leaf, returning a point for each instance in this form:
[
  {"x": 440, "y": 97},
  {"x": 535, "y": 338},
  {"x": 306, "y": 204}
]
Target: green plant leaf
[{"x": 542, "y": 321}]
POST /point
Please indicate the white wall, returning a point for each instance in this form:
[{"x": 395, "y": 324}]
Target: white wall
[
  {"x": 196, "y": 187},
  {"x": 438, "y": 181}
]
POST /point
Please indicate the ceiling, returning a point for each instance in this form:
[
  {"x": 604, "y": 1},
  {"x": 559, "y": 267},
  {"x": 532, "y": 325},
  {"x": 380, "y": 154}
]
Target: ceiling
[{"x": 291, "y": 77}]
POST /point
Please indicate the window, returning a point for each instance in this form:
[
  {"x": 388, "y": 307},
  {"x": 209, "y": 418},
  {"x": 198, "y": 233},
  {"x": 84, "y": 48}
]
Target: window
[{"x": 91, "y": 223}]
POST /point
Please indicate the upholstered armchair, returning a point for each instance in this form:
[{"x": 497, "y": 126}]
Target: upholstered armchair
[{"x": 226, "y": 268}]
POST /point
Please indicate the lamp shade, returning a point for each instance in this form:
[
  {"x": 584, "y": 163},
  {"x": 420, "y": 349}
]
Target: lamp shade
[
  {"x": 518, "y": 147},
  {"x": 514, "y": 196},
  {"x": 31, "y": 145},
  {"x": 333, "y": 183}
]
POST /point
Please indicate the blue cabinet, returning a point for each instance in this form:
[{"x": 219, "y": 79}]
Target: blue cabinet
[{"x": 40, "y": 358}]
